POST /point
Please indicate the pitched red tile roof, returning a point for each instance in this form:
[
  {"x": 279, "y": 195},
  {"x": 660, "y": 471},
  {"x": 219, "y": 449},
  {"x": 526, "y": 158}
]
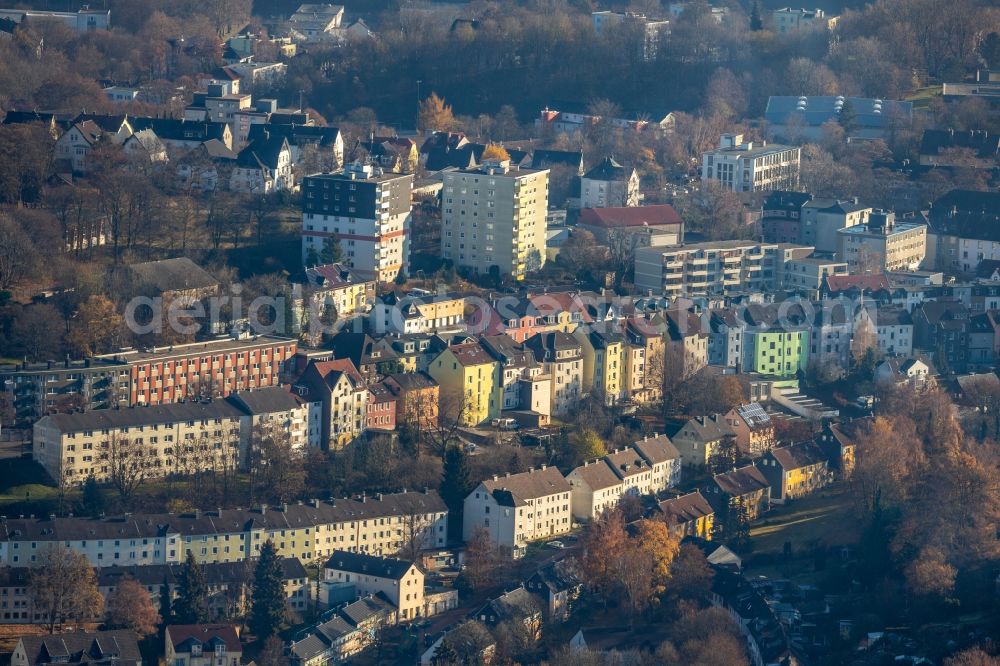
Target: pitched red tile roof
[{"x": 837, "y": 283}]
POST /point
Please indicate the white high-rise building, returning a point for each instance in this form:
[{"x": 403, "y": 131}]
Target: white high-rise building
[
  {"x": 493, "y": 218},
  {"x": 367, "y": 211},
  {"x": 745, "y": 166}
]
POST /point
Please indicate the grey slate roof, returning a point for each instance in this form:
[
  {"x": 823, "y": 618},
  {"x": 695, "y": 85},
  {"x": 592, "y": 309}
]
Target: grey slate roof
[
  {"x": 83, "y": 647},
  {"x": 371, "y": 565},
  {"x": 532, "y": 484},
  {"x": 598, "y": 475},
  {"x": 226, "y": 521},
  {"x": 177, "y": 274},
  {"x": 656, "y": 449}
]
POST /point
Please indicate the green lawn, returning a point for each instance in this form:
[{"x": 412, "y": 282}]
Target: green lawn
[
  {"x": 922, "y": 97},
  {"x": 826, "y": 517}
]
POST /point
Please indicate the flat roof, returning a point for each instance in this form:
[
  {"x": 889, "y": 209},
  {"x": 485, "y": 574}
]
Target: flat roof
[{"x": 196, "y": 348}]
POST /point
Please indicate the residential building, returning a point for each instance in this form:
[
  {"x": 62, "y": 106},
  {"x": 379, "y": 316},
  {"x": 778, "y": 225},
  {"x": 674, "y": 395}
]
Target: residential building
[
  {"x": 795, "y": 470},
  {"x": 522, "y": 383},
  {"x": 561, "y": 356},
  {"x": 144, "y": 147},
  {"x": 686, "y": 348},
  {"x": 397, "y": 154},
  {"x": 378, "y": 525},
  {"x": 514, "y": 606},
  {"x": 547, "y": 159},
  {"x": 82, "y": 21},
  {"x": 400, "y": 581},
  {"x": 902, "y": 370},
  {"x": 344, "y": 395},
  {"x": 517, "y": 508},
  {"x": 800, "y": 119},
  {"x": 780, "y": 351},
  {"x": 948, "y": 148},
  {"x": 37, "y": 389},
  {"x": 964, "y": 231},
  {"x": 574, "y": 118},
  {"x": 781, "y": 216},
  {"x": 717, "y": 267},
  {"x": 469, "y": 379},
  {"x": 493, "y": 218},
  {"x": 653, "y": 30},
  {"x": 119, "y": 646},
  {"x": 596, "y": 489},
  {"x": 559, "y": 585},
  {"x": 380, "y": 412},
  {"x": 894, "y": 329},
  {"x": 418, "y": 313},
  {"x": 609, "y": 184},
  {"x": 229, "y": 589},
  {"x": 788, "y": 19},
  {"x": 942, "y": 328},
  {"x": 164, "y": 375},
  {"x": 331, "y": 642},
  {"x": 838, "y": 442},
  {"x": 263, "y": 167},
  {"x": 604, "y": 372},
  {"x": 752, "y": 427},
  {"x": 178, "y": 438},
  {"x": 688, "y": 515},
  {"x": 645, "y": 359},
  {"x": 699, "y": 439},
  {"x": 883, "y": 244},
  {"x": 73, "y": 147},
  {"x": 726, "y": 335},
  {"x": 315, "y": 21},
  {"x": 417, "y": 399},
  {"x": 636, "y": 226},
  {"x": 822, "y": 219},
  {"x": 745, "y": 490},
  {"x": 311, "y": 145},
  {"x": 367, "y": 210},
  {"x": 806, "y": 276},
  {"x": 202, "y": 645},
  {"x": 331, "y": 290},
  {"x": 742, "y": 166},
  {"x": 776, "y": 341},
  {"x": 182, "y": 135}
]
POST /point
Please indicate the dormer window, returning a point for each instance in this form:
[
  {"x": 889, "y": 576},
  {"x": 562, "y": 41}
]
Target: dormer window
[{"x": 196, "y": 650}]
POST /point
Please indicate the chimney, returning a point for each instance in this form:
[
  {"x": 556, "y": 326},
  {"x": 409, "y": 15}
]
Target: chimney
[{"x": 263, "y": 509}]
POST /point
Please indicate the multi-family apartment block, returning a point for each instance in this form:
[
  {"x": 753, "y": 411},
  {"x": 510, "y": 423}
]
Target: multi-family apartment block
[
  {"x": 714, "y": 268},
  {"x": 883, "y": 244},
  {"x": 163, "y": 375},
  {"x": 367, "y": 210},
  {"x": 561, "y": 356},
  {"x": 493, "y": 218},
  {"x": 36, "y": 389},
  {"x": 788, "y": 19},
  {"x": 518, "y": 508},
  {"x": 744, "y": 166},
  {"x": 179, "y": 438},
  {"x": 378, "y": 525}
]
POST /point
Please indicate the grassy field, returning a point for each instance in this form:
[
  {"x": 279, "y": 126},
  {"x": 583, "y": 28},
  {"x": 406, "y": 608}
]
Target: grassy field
[
  {"x": 826, "y": 518},
  {"x": 922, "y": 97}
]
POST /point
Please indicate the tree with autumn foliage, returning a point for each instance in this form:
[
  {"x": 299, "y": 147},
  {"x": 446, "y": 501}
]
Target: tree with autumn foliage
[
  {"x": 435, "y": 115},
  {"x": 95, "y": 326},
  {"x": 495, "y": 152},
  {"x": 62, "y": 586},
  {"x": 130, "y": 607}
]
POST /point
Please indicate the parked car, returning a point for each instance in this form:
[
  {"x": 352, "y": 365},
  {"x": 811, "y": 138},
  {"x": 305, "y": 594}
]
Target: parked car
[{"x": 556, "y": 544}]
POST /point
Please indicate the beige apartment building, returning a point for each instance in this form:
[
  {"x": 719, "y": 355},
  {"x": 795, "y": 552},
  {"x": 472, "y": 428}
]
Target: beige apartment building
[
  {"x": 883, "y": 244},
  {"x": 493, "y": 218},
  {"x": 377, "y": 525},
  {"x": 181, "y": 438},
  {"x": 400, "y": 581},
  {"x": 714, "y": 268}
]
